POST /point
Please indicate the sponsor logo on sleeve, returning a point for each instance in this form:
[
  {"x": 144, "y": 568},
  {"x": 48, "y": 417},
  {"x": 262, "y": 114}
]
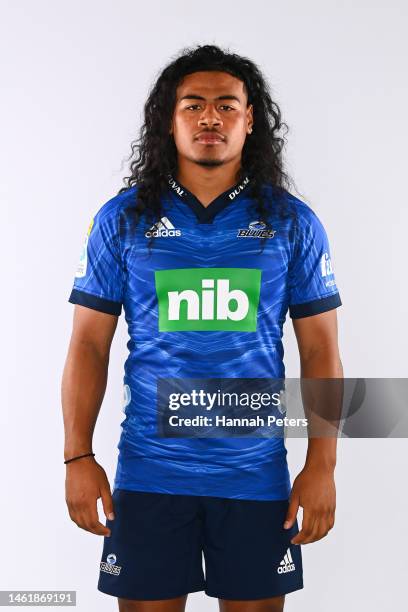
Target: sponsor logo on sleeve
[
  {"x": 326, "y": 265},
  {"x": 326, "y": 268},
  {"x": 83, "y": 259}
]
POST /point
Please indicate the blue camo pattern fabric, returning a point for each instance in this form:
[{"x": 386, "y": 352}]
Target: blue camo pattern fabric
[{"x": 176, "y": 332}]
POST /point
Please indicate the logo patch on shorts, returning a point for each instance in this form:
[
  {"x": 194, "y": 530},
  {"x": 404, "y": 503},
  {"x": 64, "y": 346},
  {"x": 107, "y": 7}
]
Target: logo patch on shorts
[
  {"x": 286, "y": 565},
  {"x": 109, "y": 566}
]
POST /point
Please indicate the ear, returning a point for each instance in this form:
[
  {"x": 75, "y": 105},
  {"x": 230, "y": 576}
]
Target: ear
[{"x": 250, "y": 118}]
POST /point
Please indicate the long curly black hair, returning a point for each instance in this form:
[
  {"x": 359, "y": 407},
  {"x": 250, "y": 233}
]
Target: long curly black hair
[{"x": 154, "y": 154}]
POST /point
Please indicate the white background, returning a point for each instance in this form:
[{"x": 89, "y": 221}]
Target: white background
[{"x": 76, "y": 75}]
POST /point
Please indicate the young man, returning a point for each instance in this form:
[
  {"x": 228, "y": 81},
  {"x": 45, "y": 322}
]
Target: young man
[{"x": 207, "y": 251}]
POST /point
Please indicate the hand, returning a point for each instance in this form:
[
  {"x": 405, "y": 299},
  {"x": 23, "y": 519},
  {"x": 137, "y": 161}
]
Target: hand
[
  {"x": 315, "y": 491},
  {"x": 85, "y": 482}
]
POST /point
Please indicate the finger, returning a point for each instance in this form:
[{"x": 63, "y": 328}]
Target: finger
[
  {"x": 304, "y": 535},
  {"x": 107, "y": 503},
  {"x": 326, "y": 524},
  {"x": 291, "y": 514},
  {"x": 307, "y": 528},
  {"x": 94, "y": 527},
  {"x": 89, "y": 520},
  {"x": 314, "y": 535},
  {"x": 320, "y": 529},
  {"x": 331, "y": 521}
]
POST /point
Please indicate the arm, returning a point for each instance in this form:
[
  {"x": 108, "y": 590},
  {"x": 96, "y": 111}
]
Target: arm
[
  {"x": 314, "y": 487},
  {"x": 83, "y": 387}
]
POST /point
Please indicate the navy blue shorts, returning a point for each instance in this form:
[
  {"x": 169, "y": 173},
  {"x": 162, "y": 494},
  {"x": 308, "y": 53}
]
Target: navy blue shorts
[{"x": 157, "y": 542}]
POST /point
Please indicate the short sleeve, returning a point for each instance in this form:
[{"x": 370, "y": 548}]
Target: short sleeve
[
  {"x": 312, "y": 285},
  {"x": 98, "y": 282}
]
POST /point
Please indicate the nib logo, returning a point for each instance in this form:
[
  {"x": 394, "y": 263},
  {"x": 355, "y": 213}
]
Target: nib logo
[
  {"x": 286, "y": 565},
  {"x": 208, "y": 299},
  {"x": 163, "y": 229}
]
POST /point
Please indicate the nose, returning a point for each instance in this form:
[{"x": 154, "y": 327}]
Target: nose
[{"x": 210, "y": 117}]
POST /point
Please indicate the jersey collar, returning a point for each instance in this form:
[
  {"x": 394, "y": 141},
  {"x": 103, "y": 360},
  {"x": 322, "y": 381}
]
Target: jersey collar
[{"x": 206, "y": 214}]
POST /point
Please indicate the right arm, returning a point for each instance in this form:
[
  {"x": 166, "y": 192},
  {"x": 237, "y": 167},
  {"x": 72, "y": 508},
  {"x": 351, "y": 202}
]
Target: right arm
[{"x": 83, "y": 388}]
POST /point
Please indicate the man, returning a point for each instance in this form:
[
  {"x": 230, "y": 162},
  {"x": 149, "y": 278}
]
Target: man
[{"x": 207, "y": 251}]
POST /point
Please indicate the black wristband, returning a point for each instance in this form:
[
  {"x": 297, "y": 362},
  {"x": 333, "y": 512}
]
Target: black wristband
[{"x": 80, "y": 457}]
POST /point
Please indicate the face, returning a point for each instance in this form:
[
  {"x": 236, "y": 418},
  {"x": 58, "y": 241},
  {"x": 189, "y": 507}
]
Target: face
[{"x": 211, "y": 119}]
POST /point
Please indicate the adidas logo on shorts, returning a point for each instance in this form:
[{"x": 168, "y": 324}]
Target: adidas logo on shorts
[
  {"x": 286, "y": 565},
  {"x": 163, "y": 229},
  {"x": 109, "y": 566}
]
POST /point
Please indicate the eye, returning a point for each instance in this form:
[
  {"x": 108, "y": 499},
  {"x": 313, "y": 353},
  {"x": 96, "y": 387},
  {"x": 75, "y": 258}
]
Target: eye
[
  {"x": 226, "y": 107},
  {"x": 192, "y": 106}
]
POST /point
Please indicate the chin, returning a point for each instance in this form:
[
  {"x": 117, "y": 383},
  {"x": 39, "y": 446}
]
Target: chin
[{"x": 209, "y": 163}]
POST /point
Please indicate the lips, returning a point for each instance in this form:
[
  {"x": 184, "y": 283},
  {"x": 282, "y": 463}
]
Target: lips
[{"x": 208, "y": 138}]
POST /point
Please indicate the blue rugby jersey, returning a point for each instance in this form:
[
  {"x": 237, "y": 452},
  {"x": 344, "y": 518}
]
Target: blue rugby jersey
[{"x": 204, "y": 303}]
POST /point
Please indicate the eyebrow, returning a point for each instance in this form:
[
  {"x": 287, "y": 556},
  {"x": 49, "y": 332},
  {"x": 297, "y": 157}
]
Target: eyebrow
[{"x": 196, "y": 97}]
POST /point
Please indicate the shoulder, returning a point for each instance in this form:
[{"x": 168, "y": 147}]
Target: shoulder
[
  {"x": 299, "y": 208},
  {"x": 281, "y": 201},
  {"x": 110, "y": 210},
  {"x": 307, "y": 220}
]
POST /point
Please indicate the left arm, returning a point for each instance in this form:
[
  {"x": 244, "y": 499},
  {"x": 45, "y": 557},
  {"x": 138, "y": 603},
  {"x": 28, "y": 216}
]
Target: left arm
[{"x": 314, "y": 487}]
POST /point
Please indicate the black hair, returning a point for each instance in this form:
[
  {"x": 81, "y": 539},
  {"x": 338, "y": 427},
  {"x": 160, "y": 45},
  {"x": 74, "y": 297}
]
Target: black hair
[{"x": 154, "y": 154}]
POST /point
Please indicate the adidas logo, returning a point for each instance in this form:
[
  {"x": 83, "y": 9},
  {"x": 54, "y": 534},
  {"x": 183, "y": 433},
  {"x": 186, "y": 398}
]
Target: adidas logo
[
  {"x": 286, "y": 565},
  {"x": 163, "y": 229}
]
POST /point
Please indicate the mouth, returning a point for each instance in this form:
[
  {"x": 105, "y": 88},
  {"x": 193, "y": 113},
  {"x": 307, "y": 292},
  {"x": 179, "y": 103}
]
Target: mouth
[{"x": 209, "y": 139}]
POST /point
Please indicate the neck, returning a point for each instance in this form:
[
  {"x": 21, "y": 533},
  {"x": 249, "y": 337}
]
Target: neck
[{"x": 207, "y": 183}]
